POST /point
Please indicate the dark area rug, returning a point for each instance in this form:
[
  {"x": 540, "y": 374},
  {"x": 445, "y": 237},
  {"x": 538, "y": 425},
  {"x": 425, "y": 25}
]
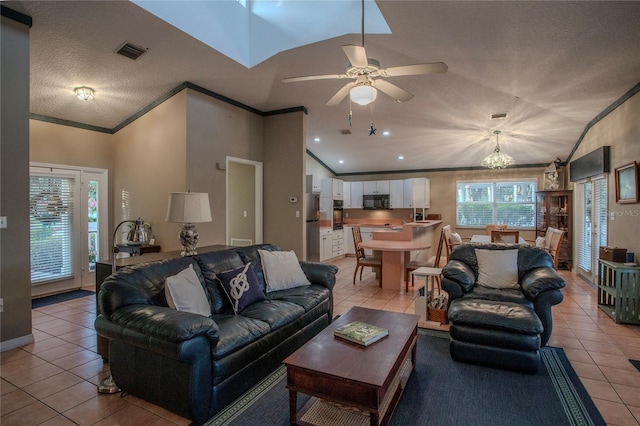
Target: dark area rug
[
  {"x": 441, "y": 391},
  {"x": 57, "y": 298},
  {"x": 635, "y": 363}
]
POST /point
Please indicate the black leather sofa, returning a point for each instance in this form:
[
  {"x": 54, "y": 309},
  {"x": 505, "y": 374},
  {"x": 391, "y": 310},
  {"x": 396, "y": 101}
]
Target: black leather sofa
[
  {"x": 505, "y": 327},
  {"x": 195, "y": 365}
]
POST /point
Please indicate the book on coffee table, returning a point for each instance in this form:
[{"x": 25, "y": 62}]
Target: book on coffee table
[{"x": 361, "y": 333}]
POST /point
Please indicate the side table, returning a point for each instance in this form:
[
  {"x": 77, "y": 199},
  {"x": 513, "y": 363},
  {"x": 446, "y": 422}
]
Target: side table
[
  {"x": 138, "y": 249},
  {"x": 619, "y": 291}
]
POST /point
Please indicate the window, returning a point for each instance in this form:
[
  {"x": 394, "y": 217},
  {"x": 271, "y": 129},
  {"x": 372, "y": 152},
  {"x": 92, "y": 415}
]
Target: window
[{"x": 479, "y": 203}]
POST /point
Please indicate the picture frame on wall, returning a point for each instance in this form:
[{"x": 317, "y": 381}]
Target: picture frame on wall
[{"x": 627, "y": 183}]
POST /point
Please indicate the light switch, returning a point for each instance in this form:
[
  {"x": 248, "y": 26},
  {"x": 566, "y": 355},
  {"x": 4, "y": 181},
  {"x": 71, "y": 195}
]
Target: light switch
[
  {"x": 297, "y": 213},
  {"x": 245, "y": 213}
]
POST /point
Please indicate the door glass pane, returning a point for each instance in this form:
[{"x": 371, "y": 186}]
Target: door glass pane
[
  {"x": 584, "y": 255},
  {"x": 93, "y": 220},
  {"x": 51, "y": 228}
]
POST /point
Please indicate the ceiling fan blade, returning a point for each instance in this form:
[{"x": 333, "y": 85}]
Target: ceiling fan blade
[
  {"x": 433, "y": 68},
  {"x": 342, "y": 93},
  {"x": 313, "y": 77},
  {"x": 392, "y": 90},
  {"x": 357, "y": 55}
]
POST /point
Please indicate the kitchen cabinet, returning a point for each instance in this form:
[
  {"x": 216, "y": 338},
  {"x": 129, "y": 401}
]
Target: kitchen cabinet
[
  {"x": 357, "y": 190},
  {"x": 346, "y": 195},
  {"x": 553, "y": 209},
  {"x": 338, "y": 248},
  {"x": 326, "y": 244},
  {"x": 332, "y": 188},
  {"x": 417, "y": 192},
  {"x": 313, "y": 185},
  {"x": 376, "y": 187},
  {"x": 396, "y": 194}
]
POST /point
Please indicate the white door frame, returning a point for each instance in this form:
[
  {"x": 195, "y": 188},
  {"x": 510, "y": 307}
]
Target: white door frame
[
  {"x": 258, "y": 197},
  {"x": 596, "y": 231}
]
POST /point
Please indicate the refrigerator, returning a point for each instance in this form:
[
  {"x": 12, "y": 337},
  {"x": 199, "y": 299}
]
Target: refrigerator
[{"x": 312, "y": 216}]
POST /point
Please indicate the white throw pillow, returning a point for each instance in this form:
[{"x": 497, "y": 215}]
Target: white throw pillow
[
  {"x": 456, "y": 239},
  {"x": 541, "y": 242},
  {"x": 185, "y": 293},
  {"x": 282, "y": 270},
  {"x": 497, "y": 268}
]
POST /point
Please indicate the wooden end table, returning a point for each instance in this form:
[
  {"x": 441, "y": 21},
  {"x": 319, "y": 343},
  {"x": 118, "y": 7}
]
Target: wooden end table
[{"x": 370, "y": 379}]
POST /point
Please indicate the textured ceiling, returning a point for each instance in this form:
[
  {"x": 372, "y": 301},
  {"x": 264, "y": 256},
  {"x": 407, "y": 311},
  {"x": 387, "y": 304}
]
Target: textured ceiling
[{"x": 553, "y": 66}]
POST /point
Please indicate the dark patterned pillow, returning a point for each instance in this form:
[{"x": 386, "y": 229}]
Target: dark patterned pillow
[{"x": 241, "y": 287}]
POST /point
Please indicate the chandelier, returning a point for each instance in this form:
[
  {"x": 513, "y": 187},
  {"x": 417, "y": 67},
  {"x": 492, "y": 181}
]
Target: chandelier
[{"x": 497, "y": 159}]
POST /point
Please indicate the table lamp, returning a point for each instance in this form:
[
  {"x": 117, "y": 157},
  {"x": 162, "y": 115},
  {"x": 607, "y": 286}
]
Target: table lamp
[{"x": 188, "y": 208}]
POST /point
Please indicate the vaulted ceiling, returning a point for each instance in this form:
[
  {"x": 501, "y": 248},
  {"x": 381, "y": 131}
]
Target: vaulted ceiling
[{"x": 552, "y": 66}]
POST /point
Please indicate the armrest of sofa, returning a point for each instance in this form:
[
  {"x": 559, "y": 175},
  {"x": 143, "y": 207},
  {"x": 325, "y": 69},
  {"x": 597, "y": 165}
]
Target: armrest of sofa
[
  {"x": 320, "y": 273},
  {"x": 538, "y": 280},
  {"x": 158, "y": 322},
  {"x": 458, "y": 278}
]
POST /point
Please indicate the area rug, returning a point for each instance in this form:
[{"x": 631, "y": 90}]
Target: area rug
[
  {"x": 441, "y": 391},
  {"x": 57, "y": 298}
]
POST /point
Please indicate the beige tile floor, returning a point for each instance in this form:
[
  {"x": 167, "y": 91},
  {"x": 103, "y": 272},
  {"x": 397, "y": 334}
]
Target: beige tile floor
[{"x": 53, "y": 381}]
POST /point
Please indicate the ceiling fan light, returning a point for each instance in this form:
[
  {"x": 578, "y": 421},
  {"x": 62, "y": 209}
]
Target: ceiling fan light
[{"x": 363, "y": 95}]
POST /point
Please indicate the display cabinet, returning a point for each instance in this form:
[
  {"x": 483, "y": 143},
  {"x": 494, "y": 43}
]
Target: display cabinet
[
  {"x": 553, "y": 209},
  {"x": 619, "y": 291}
]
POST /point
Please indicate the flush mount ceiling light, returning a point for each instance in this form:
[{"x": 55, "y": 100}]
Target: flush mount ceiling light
[
  {"x": 497, "y": 159},
  {"x": 84, "y": 93},
  {"x": 363, "y": 94}
]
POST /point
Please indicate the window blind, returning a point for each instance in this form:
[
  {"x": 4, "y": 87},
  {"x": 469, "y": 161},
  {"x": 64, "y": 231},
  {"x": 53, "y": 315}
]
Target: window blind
[
  {"x": 51, "y": 227},
  {"x": 505, "y": 202}
]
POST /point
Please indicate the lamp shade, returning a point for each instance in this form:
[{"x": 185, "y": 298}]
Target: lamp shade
[
  {"x": 188, "y": 207},
  {"x": 363, "y": 94}
]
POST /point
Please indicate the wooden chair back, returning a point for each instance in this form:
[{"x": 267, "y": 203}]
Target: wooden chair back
[
  {"x": 505, "y": 237},
  {"x": 357, "y": 239},
  {"x": 438, "y": 256},
  {"x": 495, "y": 227},
  {"x": 448, "y": 239}
]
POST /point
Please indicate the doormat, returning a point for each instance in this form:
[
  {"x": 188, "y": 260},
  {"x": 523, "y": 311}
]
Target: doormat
[
  {"x": 57, "y": 298},
  {"x": 635, "y": 363}
]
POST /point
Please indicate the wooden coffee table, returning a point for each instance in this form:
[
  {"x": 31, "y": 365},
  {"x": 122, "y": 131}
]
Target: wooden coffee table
[{"x": 369, "y": 379}]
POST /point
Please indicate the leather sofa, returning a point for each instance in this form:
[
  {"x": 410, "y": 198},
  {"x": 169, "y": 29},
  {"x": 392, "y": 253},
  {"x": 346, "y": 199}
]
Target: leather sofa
[
  {"x": 501, "y": 327},
  {"x": 194, "y": 365}
]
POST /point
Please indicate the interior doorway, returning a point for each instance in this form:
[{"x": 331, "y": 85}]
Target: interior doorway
[{"x": 244, "y": 202}]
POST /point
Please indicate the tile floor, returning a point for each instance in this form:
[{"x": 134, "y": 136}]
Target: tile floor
[{"x": 53, "y": 381}]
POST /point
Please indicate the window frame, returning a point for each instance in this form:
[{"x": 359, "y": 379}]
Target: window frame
[{"x": 494, "y": 203}]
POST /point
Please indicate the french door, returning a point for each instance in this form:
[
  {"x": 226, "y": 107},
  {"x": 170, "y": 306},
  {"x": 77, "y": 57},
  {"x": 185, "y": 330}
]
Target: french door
[
  {"x": 592, "y": 224},
  {"x": 68, "y": 227}
]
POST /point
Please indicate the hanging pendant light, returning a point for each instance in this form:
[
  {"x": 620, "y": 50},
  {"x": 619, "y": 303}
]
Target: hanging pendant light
[{"x": 497, "y": 159}]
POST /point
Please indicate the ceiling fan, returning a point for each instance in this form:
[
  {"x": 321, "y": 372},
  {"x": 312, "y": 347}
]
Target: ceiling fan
[{"x": 369, "y": 76}]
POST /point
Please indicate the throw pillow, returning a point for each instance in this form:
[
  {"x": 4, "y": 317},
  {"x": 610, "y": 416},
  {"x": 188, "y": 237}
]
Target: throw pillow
[
  {"x": 241, "y": 287},
  {"x": 282, "y": 270},
  {"x": 456, "y": 239},
  {"x": 497, "y": 268},
  {"x": 184, "y": 292},
  {"x": 541, "y": 242}
]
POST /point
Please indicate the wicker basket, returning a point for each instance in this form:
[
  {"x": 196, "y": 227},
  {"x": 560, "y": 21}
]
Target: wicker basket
[{"x": 437, "y": 315}]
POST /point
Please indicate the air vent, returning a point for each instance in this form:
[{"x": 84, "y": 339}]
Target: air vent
[
  {"x": 131, "y": 51},
  {"x": 345, "y": 131},
  {"x": 498, "y": 116}
]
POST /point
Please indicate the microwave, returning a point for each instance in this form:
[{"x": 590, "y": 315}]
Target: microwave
[{"x": 375, "y": 202}]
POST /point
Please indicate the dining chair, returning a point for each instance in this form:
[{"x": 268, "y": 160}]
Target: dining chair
[
  {"x": 555, "y": 241},
  {"x": 512, "y": 237},
  {"x": 362, "y": 259},
  {"x": 495, "y": 227},
  {"x": 436, "y": 261}
]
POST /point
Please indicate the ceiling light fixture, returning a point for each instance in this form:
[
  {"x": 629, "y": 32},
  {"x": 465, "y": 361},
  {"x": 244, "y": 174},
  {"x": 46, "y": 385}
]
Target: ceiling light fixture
[
  {"x": 363, "y": 94},
  {"x": 497, "y": 159},
  {"x": 84, "y": 93}
]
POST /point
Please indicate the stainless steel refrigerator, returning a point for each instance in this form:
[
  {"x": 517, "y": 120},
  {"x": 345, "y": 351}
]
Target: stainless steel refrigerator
[{"x": 313, "y": 227}]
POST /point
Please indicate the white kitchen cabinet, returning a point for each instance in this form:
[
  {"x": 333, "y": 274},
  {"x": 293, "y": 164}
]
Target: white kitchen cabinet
[
  {"x": 326, "y": 244},
  {"x": 396, "y": 194},
  {"x": 376, "y": 187},
  {"x": 313, "y": 185},
  {"x": 346, "y": 195},
  {"x": 416, "y": 193},
  {"x": 357, "y": 189},
  {"x": 338, "y": 248},
  {"x": 332, "y": 188}
]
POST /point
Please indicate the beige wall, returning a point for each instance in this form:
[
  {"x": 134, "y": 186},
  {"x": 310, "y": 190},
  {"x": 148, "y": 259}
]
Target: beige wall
[
  {"x": 621, "y": 130},
  {"x": 215, "y": 130},
  {"x": 15, "y": 282},
  {"x": 284, "y": 177}
]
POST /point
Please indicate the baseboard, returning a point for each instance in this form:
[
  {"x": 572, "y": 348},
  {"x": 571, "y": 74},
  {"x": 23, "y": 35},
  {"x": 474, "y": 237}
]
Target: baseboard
[{"x": 16, "y": 343}]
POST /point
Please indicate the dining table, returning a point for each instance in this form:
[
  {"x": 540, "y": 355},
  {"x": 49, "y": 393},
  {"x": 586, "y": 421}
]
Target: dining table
[
  {"x": 395, "y": 254},
  {"x": 486, "y": 239}
]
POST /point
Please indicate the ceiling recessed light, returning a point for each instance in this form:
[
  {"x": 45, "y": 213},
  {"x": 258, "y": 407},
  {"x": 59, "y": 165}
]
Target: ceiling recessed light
[
  {"x": 385, "y": 133},
  {"x": 400, "y": 157},
  {"x": 317, "y": 139},
  {"x": 341, "y": 161}
]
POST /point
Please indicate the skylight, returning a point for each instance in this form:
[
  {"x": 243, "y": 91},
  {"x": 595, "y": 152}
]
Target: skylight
[{"x": 251, "y": 31}]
